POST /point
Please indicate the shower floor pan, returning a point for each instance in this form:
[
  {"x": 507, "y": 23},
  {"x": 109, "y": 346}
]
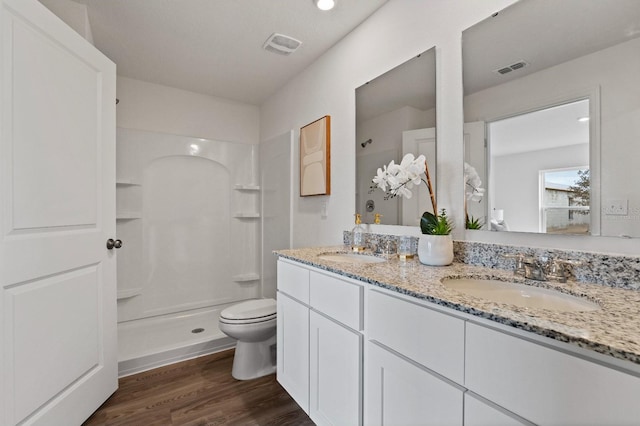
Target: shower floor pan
[{"x": 153, "y": 342}]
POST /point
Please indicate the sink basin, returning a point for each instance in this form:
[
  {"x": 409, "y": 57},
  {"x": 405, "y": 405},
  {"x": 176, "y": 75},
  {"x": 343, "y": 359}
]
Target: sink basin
[
  {"x": 522, "y": 295},
  {"x": 351, "y": 258}
]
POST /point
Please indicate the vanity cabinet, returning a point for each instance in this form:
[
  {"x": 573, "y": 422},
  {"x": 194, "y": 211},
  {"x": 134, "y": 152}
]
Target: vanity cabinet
[
  {"x": 293, "y": 332},
  {"x": 409, "y": 361},
  {"x": 401, "y": 392},
  {"x": 293, "y": 349},
  {"x": 415, "y": 364},
  {"x": 335, "y": 367},
  {"x": 545, "y": 385},
  {"x": 320, "y": 318},
  {"x": 478, "y": 412}
]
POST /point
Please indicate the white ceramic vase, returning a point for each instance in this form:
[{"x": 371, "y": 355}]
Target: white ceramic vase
[{"x": 435, "y": 250}]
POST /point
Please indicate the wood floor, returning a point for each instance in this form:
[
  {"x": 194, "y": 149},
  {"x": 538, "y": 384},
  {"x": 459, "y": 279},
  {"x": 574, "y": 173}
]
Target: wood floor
[{"x": 198, "y": 392}]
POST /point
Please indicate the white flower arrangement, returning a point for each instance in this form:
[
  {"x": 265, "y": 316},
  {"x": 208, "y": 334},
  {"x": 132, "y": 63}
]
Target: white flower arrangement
[
  {"x": 473, "y": 192},
  {"x": 472, "y": 183},
  {"x": 399, "y": 179}
]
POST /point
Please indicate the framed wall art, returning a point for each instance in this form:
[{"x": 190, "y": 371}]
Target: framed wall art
[{"x": 315, "y": 158}]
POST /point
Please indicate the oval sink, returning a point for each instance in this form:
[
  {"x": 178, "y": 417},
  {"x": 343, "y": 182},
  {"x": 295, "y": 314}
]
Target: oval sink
[
  {"x": 351, "y": 258},
  {"x": 522, "y": 295}
]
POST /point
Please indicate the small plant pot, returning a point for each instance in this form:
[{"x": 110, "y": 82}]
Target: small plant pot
[{"x": 435, "y": 250}]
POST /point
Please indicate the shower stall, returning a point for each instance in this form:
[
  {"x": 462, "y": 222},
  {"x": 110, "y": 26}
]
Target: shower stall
[{"x": 190, "y": 214}]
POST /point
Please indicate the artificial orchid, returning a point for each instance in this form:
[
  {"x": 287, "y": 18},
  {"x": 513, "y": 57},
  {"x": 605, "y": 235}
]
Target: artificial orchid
[
  {"x": 472, "y": 183},
  {"x": 399, "y": 179}
]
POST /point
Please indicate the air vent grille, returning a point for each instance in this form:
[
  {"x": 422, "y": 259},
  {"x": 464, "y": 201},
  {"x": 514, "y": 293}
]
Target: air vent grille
[
  {"x": 513, "y": 67},
  {"x": 281, "y": 44}
]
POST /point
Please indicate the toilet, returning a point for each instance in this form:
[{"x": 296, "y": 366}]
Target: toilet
[{"x": 253, "y": 324}]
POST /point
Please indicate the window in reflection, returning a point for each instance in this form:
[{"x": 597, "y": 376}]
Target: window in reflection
[{"x": 564, "y": 203}]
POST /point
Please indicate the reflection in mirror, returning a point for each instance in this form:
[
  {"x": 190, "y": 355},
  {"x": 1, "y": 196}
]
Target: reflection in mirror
[
  {"x": 395, "y": 115},
  {"x": 552, "y": 106}
]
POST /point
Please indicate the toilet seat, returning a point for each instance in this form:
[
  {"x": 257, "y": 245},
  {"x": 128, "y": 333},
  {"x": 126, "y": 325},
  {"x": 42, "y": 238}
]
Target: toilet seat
[{"x": 249, "y": 312}]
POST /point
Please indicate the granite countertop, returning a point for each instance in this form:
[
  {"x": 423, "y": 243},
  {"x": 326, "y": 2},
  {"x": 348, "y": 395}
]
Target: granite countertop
[{"x": 613, "y": 330}]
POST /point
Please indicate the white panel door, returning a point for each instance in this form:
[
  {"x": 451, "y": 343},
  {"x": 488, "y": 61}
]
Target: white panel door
[
  {"x": 419, "y": 142},
  {"x": 58, "y": 357}
]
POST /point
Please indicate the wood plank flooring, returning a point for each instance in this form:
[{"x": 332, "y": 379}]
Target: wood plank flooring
[{"x": 198, "y": 392}]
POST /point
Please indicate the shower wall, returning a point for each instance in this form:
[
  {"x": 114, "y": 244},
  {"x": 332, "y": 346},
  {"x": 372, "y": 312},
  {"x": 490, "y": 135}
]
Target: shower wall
[{"x": 188, "y": 214}]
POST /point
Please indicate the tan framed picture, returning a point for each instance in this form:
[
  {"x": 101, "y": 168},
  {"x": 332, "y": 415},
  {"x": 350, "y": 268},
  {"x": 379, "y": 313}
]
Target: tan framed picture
[{"x": 315, "y": 158}]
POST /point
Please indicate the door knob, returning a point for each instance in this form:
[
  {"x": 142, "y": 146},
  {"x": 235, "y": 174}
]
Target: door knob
[{"x": 111, "y": 244}]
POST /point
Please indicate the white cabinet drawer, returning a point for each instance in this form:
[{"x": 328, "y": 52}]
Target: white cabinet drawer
[
  {"x": 546, "y": 386},
  {"x": 336, "y": 298},
  {"x": 294, "y": 281},
  {"x": 431, "y": 338}
]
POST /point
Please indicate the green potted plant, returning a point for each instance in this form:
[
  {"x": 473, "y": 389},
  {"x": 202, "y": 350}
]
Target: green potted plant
[{"x": 435, "y": 246}]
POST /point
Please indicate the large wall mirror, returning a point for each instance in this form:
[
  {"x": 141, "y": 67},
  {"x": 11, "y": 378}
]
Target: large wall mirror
[
  {"x": 395, "y": 115},
  {"x": 552, "y": 117}
]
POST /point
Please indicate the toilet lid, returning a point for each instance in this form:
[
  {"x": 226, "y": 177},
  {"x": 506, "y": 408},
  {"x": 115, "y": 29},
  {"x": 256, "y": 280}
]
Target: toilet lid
[{"x": 251, "y": 309}]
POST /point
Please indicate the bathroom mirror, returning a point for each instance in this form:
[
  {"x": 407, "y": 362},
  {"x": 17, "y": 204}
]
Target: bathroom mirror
[
  {"x": 552, "y": 117},
  {"x": 395, "y": 114}
]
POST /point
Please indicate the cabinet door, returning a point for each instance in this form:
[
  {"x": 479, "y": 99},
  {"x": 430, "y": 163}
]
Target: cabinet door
[
  {"x": 401, "y": 393},
  {"x": 547, "y": 386},
  {"x": 293, "y": 349},
  {"x": 478, "y": 413},
  {"x": 335, "y": 372}
]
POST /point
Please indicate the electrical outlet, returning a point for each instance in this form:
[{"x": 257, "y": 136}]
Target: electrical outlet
[{"x": 616, "y": 207}]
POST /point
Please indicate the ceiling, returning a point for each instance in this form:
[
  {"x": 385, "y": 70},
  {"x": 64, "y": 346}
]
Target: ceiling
[
  {"x": 215, "y": 46},
  {"x": 549, "y": 128},
  {"x": 412, "y": 83},
  {"x": 572, "y": 28}
]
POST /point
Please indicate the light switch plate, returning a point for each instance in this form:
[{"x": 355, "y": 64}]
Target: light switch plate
[{"x": 616, "y": 207}]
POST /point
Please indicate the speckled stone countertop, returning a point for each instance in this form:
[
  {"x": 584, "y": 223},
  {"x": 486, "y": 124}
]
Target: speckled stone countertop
[{"x": 613, "y": 330}]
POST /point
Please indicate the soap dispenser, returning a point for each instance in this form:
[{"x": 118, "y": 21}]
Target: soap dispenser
[{"x": 357, "y": 235}]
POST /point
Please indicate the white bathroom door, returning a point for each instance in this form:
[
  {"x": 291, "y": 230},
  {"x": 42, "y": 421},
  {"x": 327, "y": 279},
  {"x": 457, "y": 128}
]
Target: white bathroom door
[{"x": 58, "y": 354}]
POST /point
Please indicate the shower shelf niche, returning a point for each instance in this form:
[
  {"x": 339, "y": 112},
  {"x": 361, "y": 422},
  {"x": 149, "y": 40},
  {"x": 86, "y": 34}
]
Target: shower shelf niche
[
  {"x": 246, "y": 277},
  {"x": 129, "y": 293},
  {"x": 240, "y": 187}
]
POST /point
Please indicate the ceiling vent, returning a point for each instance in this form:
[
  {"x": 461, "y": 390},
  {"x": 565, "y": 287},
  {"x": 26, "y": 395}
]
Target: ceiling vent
[
  {"x": 281, "y": 44},
  {"x": 513, "y": 67}
]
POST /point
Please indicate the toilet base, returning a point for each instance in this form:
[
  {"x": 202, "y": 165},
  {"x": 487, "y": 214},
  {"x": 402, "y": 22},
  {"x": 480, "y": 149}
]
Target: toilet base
[{"x": 254, "y": 359}]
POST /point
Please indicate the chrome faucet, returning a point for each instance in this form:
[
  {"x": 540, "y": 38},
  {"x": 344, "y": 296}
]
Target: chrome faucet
[{"x": 542, "y": 269}]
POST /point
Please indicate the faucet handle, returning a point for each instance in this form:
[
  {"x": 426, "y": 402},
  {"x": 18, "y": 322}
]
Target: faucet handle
[
  {"x": 557, "y": 269},
  {"x": 519, "y": 270}
]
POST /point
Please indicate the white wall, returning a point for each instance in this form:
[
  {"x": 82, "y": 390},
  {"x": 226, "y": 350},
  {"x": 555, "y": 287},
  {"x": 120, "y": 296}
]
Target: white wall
[
  {"x": 395, "y": 33},
  {"x": 385, "y": 131},
  {"x": 163, "y": 109},
  {"x": 515, "y": 182},
  {"x": 615, "y": 72}
]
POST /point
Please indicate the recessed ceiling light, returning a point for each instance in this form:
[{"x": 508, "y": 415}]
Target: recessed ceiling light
[
  {"x": 325, "y": 4},
  {"x": 583, "y": 119}
]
